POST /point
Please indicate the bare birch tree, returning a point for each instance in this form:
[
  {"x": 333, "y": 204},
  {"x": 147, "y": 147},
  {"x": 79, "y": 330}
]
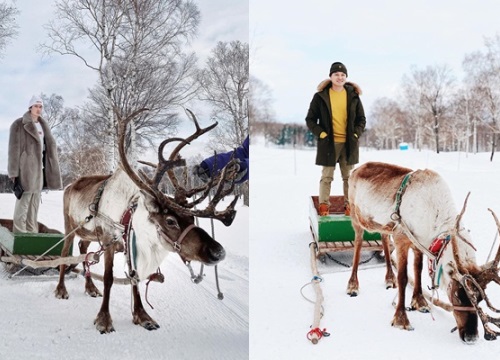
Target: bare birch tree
[
  {"x": 53, "y": 107},
  {"x": 429, "y": 91},
  {"x": 8, "y": 25},
  {"x": 389, "y": 124},
  {"x": 80, "y": 154},
  {"x": 130, "y": 41},
  {"x": 224, "y": 84},
  {"x": 484, "y": 70},
  {"x": 260, "y": 108}
]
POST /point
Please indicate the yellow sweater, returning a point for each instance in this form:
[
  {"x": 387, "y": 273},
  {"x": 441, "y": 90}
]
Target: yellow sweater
[{"x": 338, "y": 103}]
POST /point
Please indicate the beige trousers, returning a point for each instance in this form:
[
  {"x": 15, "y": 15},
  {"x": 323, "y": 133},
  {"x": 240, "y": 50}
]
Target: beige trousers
[
  {"x": 26, "y": 213},
  {"x": 325, "y": 184}
]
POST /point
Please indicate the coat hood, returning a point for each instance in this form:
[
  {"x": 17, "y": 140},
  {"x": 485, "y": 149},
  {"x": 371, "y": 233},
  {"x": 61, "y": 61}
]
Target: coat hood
[{"x": 327, "y": 82}]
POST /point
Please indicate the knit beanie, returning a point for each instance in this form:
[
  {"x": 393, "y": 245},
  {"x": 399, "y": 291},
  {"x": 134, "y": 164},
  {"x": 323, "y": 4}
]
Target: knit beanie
[
  {"x": 336, "y": 67},
  {"x": 35, "y": 99}
]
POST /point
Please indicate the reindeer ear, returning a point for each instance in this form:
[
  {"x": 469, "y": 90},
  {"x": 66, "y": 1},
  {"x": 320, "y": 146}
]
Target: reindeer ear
[{"x": 150, "y": 202}]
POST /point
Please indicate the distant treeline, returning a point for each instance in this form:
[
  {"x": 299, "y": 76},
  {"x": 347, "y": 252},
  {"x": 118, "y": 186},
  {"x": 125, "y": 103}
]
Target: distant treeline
[
  {"x": 296, "y": 135},
  {"x": 5, "y": 186}
]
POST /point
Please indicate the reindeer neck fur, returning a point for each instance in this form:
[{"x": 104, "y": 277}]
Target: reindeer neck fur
[
  {"x": 150, "y": 249},
  {"x": 119, "y": 192}
]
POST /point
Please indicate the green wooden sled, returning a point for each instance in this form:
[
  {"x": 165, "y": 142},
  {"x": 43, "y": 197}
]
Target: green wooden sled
[
  {"x": 336, "y": 226},
  {"x": 49, "y": 244},
  {"x": 334, "y": 232}
]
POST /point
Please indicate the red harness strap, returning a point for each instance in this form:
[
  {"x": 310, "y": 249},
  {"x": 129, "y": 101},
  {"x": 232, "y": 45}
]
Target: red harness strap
[{"x": 437, "y": 248}]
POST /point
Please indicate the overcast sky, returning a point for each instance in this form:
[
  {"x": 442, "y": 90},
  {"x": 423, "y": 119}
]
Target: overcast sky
[
  {"x": 293, "y": 44},
  {"x": 24, "y": 72}
]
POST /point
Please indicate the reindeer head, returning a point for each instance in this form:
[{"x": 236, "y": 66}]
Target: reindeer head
[
  {"x": 467, "y": 287},
  {"x": 463, "y": 310},
  {"x": 171, "y": 218}
]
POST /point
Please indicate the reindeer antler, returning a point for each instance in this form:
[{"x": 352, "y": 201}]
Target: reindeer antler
[
  {"x": 147, "y": 184},
  {"x": 456, "y": 233},
  {"x": 489, "y": 334},
  {"x": 224, "y": 183},
  {"x": 497, "y": 257},
  {"x": 221, "y": 182}
]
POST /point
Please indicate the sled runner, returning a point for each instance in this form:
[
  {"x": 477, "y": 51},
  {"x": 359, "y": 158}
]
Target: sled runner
[{"x": 331, "y": 233}]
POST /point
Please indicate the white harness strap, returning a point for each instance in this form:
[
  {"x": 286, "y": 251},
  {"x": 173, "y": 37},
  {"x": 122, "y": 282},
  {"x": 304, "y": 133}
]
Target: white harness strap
[{"x": 176, "y": 244}]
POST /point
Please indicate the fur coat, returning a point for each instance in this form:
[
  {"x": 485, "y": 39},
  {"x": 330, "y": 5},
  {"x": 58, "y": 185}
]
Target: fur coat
[
  {"x": 25, "y": 156},
  {"x": 319, "y": 119}
]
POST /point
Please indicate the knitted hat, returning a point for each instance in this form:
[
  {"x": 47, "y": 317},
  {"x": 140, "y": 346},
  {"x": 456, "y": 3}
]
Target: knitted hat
[
  {"x": 336, "y": 67},
  {"x": 35, "y": 99}
]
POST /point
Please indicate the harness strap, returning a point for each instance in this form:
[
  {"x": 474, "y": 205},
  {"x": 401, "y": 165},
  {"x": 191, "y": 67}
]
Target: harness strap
[
  {"x": 130, "y": 252},
  {"x": 437, "y": 247},
  {"x": 94, "y": 207},
  {"x": 399, "y": 196},
  {"x": 177, "y": 244},
  {"x": 414, "y": 241}
]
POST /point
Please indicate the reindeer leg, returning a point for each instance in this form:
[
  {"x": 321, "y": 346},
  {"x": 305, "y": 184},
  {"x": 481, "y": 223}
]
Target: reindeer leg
[
  {"x": 418, "y": 301},
  {"x": 140, "y": 316},
  {"x": 103, "y": 321},
  {"x": 61, "y": 292},
  {"x": 353, "y": 284},
  {"x": 390, "y": 278},
  {"x": 90, "y": 287},
  {"x": 400, "y": 319}
]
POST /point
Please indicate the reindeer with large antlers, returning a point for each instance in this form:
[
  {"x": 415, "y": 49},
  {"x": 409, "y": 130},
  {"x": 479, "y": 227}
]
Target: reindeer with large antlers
[
  {"x": 111, "y": 209},
  {"x": 417, "y": 209}
]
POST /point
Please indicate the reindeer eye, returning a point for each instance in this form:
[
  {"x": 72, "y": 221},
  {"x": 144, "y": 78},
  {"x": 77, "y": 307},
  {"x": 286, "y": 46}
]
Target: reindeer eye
[{"x": 171, "y": 221}]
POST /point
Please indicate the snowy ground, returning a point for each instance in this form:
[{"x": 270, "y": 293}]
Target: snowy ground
[
  {"x": 194, "y": 323},
  {"x": 282, "y": 181}
]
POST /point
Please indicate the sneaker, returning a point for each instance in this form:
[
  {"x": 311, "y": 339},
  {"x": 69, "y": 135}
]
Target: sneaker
[
  {"x": 347, "y": 209},
  {"x": 324, "y": 209}
]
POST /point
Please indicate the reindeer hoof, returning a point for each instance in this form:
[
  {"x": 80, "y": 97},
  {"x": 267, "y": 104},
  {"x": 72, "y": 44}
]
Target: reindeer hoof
[
  {"x": 105, "y": 331},
  {"x": 143, "y": 319},
  {"x": 420, "y": 304},
  {"x": 390, "y": 285},
  {"x": 487, "y": 336},
  {"x": 150, "y": 325},
  {"x": 403, "y": 326},
  {"x": 103, "y": 323},
  {"x": 61, "y": 292},
  {"x": 93, "y": 292},
  {"x": 352, "y": 293}
]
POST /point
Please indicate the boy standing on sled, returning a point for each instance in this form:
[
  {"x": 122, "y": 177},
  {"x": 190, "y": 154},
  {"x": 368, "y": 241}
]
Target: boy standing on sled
[{"x": 336, "y": 117}]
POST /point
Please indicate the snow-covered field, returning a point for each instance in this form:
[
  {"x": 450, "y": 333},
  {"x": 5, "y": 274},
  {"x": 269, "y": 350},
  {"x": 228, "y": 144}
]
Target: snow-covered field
[
  {"x": 282, "y": 181},
  {"x": 263, "y": 315},
  {"x": 194, "y": 324}
]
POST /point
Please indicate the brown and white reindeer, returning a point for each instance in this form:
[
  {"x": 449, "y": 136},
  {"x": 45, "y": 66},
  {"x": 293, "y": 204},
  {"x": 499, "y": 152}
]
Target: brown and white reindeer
[
  {"x": 131, "y": 202},
  {"x": 417, "y": 209}
]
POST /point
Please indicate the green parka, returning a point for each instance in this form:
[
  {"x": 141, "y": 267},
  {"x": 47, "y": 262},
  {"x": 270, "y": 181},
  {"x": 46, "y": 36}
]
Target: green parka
[{"x": 319, "y": 119}]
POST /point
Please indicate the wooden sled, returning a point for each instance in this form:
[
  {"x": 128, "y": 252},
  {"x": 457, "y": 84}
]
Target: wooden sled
[
  {"x": 33, "y": 250},
  {"x": 334, "y": 232}
]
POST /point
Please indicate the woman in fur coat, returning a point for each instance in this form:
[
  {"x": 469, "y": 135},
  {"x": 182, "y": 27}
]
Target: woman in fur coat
[{"x": 33, "y": 163}]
